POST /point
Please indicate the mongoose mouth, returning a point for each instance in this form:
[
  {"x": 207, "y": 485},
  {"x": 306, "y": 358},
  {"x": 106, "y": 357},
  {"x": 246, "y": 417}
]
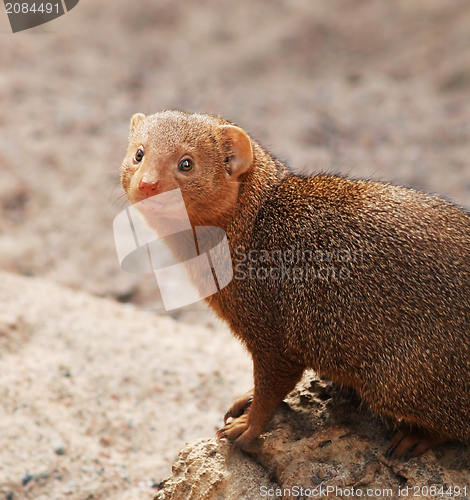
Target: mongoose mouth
[{"x": 169, "y": 205}]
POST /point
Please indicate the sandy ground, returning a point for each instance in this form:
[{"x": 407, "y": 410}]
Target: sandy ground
[
  {"x": 98, "y": 397},
  {"x": 370, "y": 88}
]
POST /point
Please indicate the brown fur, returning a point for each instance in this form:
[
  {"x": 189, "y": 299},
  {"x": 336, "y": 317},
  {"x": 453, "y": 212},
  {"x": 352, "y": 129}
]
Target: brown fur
[{"x": 397, "y": 329}]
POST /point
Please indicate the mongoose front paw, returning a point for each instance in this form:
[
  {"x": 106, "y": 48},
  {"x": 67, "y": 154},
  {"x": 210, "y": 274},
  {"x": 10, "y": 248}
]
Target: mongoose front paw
[
  {"x": 233, "y": 429},
  {"x": 241, "y": 434}
]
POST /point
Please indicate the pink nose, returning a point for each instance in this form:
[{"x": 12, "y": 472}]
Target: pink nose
[{"x": 149, "y": 188}]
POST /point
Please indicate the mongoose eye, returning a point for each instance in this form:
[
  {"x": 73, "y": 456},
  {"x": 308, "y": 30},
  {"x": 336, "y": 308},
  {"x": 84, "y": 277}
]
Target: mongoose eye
[
  {"x": 185, "y": 165},
  {"x": 139, "y": 155}
]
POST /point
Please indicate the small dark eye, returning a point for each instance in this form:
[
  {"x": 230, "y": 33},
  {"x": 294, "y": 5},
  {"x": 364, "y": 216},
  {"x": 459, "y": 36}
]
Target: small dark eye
[
  {"x": 185, "y": 165},
  {"x": 139, "y": 155}
]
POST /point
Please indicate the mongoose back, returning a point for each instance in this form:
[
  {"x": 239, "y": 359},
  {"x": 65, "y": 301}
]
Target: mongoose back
[{"x": 364, "y": 282}]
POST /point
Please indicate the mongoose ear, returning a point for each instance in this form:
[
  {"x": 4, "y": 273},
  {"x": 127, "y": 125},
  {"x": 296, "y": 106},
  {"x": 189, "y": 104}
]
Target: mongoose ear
[
  {"x": 135, "y": 120},
  {"x": 240, "y": 154}
]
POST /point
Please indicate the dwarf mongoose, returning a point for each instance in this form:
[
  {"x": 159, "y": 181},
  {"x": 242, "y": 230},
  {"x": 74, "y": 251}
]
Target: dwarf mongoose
[{"x": 364, "y": 282}]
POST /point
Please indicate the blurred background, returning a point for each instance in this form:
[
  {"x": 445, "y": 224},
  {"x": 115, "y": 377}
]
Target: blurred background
[
  {"x": 376, "y": 89},
  {"x": 97, "y": 398}
]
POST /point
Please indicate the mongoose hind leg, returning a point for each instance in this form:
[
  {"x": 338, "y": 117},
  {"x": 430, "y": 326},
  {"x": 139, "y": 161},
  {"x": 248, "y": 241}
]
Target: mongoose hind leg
[
  {"x": 414, "y": 442},
  {"x": 250, "y": 413}
]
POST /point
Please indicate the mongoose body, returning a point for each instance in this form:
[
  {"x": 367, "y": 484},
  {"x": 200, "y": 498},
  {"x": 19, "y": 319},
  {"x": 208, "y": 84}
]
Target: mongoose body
[{"x": 365, "y": 282}]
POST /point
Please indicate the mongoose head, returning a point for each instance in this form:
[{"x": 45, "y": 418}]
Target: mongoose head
[{"x": 204, "y": 156}]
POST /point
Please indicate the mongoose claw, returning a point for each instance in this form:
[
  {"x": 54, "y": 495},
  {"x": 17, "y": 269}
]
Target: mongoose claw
[
  {"x": 388, "y": 455},
  {"x": 239, "y": 407},
  {"x": 220, "y": 435},
  {"x": 235, "y": 412}
]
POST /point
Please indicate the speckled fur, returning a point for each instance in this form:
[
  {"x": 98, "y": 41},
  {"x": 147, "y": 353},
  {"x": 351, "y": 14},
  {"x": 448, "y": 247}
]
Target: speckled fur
[{"x": 397, "y": 328}]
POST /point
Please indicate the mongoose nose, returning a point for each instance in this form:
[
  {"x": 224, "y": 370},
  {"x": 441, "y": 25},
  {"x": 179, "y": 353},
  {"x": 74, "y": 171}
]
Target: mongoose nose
[{"x": 149, "y": 188}]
